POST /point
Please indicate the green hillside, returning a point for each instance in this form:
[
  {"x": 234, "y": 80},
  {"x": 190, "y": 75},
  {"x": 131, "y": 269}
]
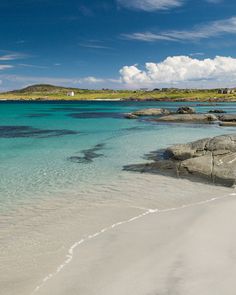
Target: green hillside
[{"x": 51, "y": 92}]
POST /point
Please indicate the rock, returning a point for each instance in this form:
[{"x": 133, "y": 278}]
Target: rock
[
  {"x": 186, "y": 110},
  {"x": 193, "y": 118},
  {"x": 228, "y": 118},
  {"x": 147, "y": 112},
  {"x": 217, "y": 112},
  {"x": 209, "y": 159},
  {"x": 151, "y": 112},
  {"x": 130, "y": 116},
  {"x": 228, "y": 124}
]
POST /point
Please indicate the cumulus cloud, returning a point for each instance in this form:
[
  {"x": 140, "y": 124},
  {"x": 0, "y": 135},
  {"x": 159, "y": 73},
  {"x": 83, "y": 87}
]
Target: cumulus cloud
[
  {"x": 150, "y": 5},
  {"x": 182, "y": 70},
  {"x": 212, "y": 29}
]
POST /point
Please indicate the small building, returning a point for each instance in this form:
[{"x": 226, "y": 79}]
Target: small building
[
  {"x": 71, "y": 93},
  {"x": 225, "y": 91}
]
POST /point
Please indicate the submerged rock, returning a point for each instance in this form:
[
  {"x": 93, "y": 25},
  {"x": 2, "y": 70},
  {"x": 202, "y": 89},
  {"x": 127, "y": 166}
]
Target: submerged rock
[
  {"x": 193, "y": 118},
  {"x": 88, "y": 155},
  {"x": 209, "y": 159}
]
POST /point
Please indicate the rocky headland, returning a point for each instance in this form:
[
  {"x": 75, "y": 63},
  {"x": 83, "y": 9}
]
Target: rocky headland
[
  {"x": 210, "y": 159},
  {"x": 184, "y": 114}
]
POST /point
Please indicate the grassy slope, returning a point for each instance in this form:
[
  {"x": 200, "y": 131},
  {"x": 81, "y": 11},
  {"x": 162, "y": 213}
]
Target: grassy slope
[{"x": 49, "y": 92}]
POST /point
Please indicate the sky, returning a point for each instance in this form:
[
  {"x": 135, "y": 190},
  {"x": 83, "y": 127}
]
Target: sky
[{"x": 118, "y": 43}]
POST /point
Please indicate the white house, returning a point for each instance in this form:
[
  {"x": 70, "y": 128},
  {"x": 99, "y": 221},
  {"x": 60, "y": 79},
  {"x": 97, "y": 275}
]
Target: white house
[{"x": 71, "y": 93}]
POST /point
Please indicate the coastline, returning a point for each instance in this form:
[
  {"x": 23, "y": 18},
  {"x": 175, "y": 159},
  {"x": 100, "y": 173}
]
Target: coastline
[{"x": 187, "y": 100}]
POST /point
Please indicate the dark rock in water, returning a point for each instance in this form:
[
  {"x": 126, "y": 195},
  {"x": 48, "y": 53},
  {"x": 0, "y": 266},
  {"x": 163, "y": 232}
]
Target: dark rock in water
[
  {"x": 146, "y": 113},
  {"x": 209, "y": 159},
  {"x": 217, "y": 111},
  {"x": 186, "y": 110},
  {"x": 228, "y": 118},
  {"x": 38, "y": 115},
  {"x": 88, "y": 155},
  {"x": 27, "y": 131},
  {"x": 193, "y": 118}
]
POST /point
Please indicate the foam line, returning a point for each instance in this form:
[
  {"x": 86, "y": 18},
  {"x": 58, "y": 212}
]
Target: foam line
[{"x": 70, "y": 253}]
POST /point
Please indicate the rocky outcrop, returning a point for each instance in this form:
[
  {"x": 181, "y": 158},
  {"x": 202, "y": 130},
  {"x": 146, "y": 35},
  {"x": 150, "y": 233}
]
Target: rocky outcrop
[
  {"x": 194, "y": 118},
  {"x": 209, "y": 159},
  {"x": 228, "y": 118},
  {"x": 186, "y": 110},
  {"x": 147, "y": 112}
]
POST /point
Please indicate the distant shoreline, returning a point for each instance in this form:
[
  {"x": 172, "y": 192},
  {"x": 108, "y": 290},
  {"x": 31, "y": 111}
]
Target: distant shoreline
[
  {"x": 44, "y": 92},
  {"x": 210, "y": 100}
]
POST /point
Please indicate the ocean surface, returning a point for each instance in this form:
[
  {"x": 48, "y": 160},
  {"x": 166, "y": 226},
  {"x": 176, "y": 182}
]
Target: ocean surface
[{"x": 61, "y": 177}]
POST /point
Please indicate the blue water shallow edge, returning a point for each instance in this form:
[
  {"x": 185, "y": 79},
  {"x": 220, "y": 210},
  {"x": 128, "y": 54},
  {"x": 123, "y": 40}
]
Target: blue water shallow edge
[{"x": 50, "y": 149}]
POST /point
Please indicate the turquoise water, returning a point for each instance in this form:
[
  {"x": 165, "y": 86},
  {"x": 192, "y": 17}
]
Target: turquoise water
[{"x": 42, "y": 144}]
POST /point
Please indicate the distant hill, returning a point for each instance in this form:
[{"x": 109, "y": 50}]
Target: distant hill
[{"x": 43, "y": 88}]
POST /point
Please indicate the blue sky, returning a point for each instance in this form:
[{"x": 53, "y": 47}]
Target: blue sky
[{"x": 118, "y": 43}]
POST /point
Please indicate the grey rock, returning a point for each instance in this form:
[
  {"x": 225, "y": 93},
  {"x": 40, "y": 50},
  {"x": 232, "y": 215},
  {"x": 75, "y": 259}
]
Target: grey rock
[
  {"x": 208, "y": 159},
  {"x": 193, "y": 118},
  {"x": 186, "y": 110},
  {"x": 228, "y": 118},
  {"x": 151, "y": 112},
  {"x": 130, "y": 116},
  {"x": 147, "y": 112}
]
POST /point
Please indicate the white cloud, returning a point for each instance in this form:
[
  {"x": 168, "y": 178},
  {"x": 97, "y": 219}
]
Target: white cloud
[
  {"x": 91, "y": 80},
  {"x": 52, "y": 80},
  {"x": 150, "y": 5},
  {"x": 212, "y": 29},
  {"x": 5, "y": 67},
  {"x": 182, "y": 71},
  {"x": 12, "y": 56}
]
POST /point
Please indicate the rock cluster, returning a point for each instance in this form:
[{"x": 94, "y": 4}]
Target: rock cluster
[
  {"x": 209, "y": 159},
  {"x": 195, "y": 118}
]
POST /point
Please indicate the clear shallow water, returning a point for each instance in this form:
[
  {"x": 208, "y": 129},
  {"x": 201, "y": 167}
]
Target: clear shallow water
[
  {"x": 62, "y": 179},
  {"x": 37, "y": 164}
]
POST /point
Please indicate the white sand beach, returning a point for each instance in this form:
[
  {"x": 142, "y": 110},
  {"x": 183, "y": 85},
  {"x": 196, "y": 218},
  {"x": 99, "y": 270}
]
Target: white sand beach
[
  {"x": 176, "y": 237},
  {"x": 186, "y": 251}
]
